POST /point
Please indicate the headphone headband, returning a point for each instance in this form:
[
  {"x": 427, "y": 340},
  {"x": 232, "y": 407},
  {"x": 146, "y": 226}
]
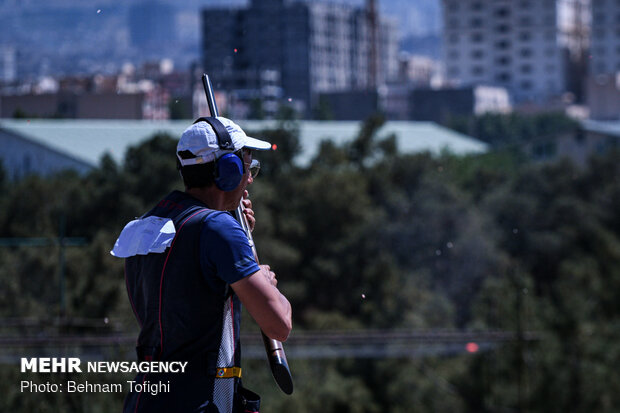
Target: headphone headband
[{"x": 224, "y": 141}]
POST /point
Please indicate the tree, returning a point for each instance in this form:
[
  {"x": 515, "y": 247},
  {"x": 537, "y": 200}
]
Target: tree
[{"x": 367, "y": 237}]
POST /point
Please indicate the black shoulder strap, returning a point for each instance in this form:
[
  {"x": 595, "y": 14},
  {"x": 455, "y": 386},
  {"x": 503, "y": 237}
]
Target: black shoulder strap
[{"x": 223, "y": 137}]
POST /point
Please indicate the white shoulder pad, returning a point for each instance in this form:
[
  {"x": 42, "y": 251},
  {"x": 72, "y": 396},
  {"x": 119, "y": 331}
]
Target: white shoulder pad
[{"x": 143, "y": 236}]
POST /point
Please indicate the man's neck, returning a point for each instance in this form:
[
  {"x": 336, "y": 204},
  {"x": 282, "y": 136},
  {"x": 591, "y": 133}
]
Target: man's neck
[{"x": 209, "y": 196}]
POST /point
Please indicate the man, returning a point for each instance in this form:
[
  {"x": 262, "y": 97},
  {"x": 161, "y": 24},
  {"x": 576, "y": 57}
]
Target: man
[{"x": 189, "y": 266}]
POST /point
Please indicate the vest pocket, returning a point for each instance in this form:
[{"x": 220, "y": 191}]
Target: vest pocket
[{"x": 246, "y": 401}]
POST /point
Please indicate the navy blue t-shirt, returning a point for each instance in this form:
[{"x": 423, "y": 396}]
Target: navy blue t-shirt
[{"x": 225, "y": 249}]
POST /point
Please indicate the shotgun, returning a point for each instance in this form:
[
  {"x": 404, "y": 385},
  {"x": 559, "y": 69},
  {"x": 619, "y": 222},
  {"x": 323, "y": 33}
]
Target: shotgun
[{"x": 275, "y": 350}]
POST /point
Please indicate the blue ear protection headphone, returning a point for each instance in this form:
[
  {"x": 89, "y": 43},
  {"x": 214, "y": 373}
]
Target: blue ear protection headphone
[{"x": 228, "y": 167}]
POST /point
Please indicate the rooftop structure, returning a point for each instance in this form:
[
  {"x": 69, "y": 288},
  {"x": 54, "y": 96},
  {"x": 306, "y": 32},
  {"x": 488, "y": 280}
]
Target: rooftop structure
[{"x": 29, "y": 145}]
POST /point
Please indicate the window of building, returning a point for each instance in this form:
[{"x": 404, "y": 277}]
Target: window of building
[
  {"x": 477, "y": 54},
  {"x": 526, "y": 68},
  {"x": 526, "y": 85},
  {"x": 502, "y": 28},
  {"x": 476, "y": 6},
  {"x": 525, "y": 21},
  {"x": 502, "y": 44},
  {"x": 525, "y": 52},
  {"x": 452, "y": 5},
  {"x": 525, "y": 4},
  {"x": 453, "y": 54},
  {"x": 525, "y": 36},
  {"x": 477, "y": 37},
  {"x": 453, "y": 38},
  {"x": 453, "y": 71},
  {"x": 476, "y": 22},
  {"x": 503, "y": 77},
  {"x": 477, "y": 70},
  {"x": 503, "y": 60},
  {"x": 502, "y": 12}
]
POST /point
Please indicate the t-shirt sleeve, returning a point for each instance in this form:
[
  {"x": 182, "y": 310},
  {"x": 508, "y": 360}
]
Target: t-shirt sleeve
[{"x": 226, "y": 251}]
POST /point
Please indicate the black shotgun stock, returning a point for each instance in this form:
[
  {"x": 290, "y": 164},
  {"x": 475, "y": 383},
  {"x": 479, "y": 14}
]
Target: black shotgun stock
[{"x": 275, "y": 350}]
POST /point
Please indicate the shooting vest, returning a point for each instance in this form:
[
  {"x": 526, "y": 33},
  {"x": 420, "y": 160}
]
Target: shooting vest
[{"x": 184, "y": 315}]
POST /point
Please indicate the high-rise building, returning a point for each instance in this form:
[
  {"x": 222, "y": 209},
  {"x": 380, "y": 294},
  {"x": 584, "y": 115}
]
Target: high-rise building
[
  {"x": 533, "y": 48},
  {"x": 151, "y": 25},
  {"x": 314, "y": 46},
  {"x": 8, "y": 64},
  {"x": 603, "y": 84},
  {"x": 605, "y": 41}
]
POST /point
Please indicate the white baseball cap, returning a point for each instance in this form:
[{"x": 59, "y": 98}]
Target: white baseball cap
[{"x": 201, "y": 141}]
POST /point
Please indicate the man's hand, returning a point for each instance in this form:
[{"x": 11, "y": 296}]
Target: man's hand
[
  {"x": 270, "y": 309},
  {"x": 249, "y": 213},
  {"x": 269, "y": 275}
]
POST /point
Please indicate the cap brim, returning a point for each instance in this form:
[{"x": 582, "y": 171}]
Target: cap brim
[{"x": 254, "y": 143}]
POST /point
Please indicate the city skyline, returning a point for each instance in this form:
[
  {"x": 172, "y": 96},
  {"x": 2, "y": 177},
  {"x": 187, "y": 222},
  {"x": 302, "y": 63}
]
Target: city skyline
[{"x": 64, "y": 38}]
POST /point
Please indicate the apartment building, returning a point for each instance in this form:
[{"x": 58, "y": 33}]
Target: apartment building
[
  {"x": 603, "y": 82},
  {"x": 8, "y": 63},
  {"x": 605, "y": 40},
  {"x": 314, "y": 46},
  {"x": 533, "y": 48}
]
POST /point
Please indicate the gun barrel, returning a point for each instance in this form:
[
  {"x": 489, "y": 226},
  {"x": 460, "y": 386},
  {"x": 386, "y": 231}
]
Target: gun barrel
[{"x": 274, "y": 349}]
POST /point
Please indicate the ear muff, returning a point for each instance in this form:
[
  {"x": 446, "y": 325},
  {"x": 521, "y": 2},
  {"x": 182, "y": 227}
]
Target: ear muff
[
  {"x": 228, "y": 167},
  {"x": 228, "y": 172}
]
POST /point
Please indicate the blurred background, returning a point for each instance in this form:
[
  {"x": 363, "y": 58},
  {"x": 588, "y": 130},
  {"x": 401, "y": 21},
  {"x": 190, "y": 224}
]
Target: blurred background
[{"x": 441, "y": 204}]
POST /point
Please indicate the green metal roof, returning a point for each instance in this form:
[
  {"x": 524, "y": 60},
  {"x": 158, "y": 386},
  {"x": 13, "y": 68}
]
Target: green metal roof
[
  {"x": 88, "y": 140},
  {"x": 611, "y": 128},
  {"x": 411, "y": 137}
]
